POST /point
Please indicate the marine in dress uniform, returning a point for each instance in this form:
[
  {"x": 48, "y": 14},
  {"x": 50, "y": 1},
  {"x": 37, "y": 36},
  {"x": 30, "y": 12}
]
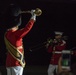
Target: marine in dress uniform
[
  {"x": 55, "y": 47},
  {"x": 13, "y": 40}
]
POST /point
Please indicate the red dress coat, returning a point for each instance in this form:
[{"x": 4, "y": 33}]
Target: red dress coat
[
  {"x": 15, "y": 38},
  {"x": 56, "y": 52}
]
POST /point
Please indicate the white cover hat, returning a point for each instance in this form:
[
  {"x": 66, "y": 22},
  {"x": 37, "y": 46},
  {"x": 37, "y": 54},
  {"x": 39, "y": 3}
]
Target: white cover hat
[{"x": 57, "y": 32}]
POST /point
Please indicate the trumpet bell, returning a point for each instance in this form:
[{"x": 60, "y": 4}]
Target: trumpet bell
[{"x": 38, "y": 11}]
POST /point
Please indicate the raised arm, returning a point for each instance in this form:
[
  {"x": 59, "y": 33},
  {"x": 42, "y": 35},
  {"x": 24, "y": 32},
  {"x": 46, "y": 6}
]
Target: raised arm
[{"x": 22, "y": 32}]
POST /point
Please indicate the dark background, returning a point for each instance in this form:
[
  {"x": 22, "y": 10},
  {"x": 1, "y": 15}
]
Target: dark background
[{"x": 57, "y": 15}]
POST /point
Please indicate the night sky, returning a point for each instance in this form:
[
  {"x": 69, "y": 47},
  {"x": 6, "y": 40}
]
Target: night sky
[{"x": 56, "y": 16}]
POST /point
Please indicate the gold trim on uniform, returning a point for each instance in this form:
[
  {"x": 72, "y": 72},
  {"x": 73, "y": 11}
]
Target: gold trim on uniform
[{"x": 15, "y": 52}]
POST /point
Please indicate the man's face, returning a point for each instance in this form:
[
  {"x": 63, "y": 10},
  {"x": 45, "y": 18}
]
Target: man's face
[{"x": 58, "y": 36}]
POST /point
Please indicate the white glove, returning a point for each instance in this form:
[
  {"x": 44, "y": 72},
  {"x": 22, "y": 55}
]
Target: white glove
[
  {"x": 33, "y": 15},
  {"x": 32, "y": 12}
]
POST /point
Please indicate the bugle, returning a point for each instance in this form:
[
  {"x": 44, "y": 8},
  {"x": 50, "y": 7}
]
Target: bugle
[{"x": 38, "y": 11}]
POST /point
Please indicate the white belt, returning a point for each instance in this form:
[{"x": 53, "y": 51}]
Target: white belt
[
  {"x": 65, "y": 52},
  {"x": 57, "y": 52}
]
